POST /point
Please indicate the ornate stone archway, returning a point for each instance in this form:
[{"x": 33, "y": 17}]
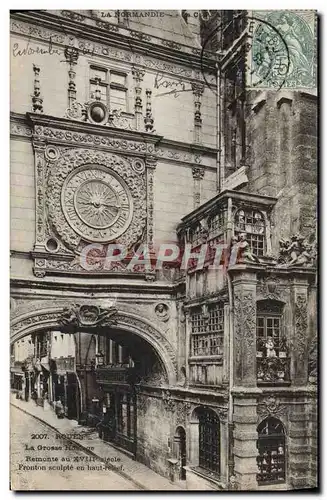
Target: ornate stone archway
[{"x": 92, "y": 316}]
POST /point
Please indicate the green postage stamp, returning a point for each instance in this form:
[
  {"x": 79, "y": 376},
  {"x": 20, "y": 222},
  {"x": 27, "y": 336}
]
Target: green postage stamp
[{"x": 283, "y": 49}]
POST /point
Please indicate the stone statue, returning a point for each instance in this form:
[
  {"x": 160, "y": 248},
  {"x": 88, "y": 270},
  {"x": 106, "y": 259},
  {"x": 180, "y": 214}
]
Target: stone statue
[
  {"x": 246, "y": 253},
  {"x": 271, "y": 353}
]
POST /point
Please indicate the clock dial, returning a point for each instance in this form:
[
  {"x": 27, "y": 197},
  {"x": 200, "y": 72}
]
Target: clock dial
[{"x": 96, "y": 203}]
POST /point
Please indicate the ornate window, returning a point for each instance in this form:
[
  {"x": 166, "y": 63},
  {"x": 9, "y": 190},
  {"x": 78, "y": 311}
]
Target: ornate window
[
  {"x": 209, "y": 441},
  {"x": 207, "y": 329},
  {"x": 110, "y": 86},
  {"x": 251, "y": 222},
  {"x": 271, "y": 451},
  {"x": 272, "y": 351}
]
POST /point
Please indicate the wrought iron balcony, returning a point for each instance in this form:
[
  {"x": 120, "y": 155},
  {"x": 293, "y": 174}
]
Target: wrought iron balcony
[{"x": 273, "y": 370}]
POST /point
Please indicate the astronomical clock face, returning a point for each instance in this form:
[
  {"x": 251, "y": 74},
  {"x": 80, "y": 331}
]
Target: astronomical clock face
[{"x": 96, "y": 203}]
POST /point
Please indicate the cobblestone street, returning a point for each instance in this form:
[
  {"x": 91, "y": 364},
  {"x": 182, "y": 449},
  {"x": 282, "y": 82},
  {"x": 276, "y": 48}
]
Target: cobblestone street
[{"x": 62, "y": 454}]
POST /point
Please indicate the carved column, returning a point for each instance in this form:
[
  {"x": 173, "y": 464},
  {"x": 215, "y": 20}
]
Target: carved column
[
  {"x": 300, "y": 346},
  {"x": 198, "y": 174},
  {"x": 197, "y": 93},
  {"x": 244, "y": 375},
  {"x": 138, "y": 76},
  {"x": 71, "y": 55},
  {"x": 187, "y": 344},
  {"x": 244, "y": 326},
  {"x": 37, "y": 101},
  {"x": 148, "y": 120},
  {"x": 151, "y": 163},
  {"x": 39, "y": 160}
]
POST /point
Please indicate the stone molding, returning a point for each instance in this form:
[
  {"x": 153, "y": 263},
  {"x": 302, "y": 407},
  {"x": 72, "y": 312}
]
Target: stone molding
[
  {"x": 128, "y": 142},
  {"x": 33, "y": 26}
]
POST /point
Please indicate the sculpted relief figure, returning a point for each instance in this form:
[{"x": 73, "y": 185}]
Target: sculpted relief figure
[{"x": 296, "y": 252}]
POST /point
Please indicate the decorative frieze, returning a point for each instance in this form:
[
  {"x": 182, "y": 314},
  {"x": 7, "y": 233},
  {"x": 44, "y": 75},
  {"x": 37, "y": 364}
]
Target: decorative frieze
[
  {"x": 73, "y": 137},
  {"x": 87, "y": 315},
  {"x": 301, "y": 324}
]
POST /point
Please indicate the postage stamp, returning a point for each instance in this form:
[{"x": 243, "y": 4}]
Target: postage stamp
[{"x": 283, "y": 49}]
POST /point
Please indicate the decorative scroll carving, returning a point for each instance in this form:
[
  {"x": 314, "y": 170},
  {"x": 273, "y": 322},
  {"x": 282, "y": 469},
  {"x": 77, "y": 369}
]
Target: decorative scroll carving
[
  {"x": 301, "y": 324},
  {"x": 273, "y": 369},
  {"x": 74, "y": 16},
  {"x": 271, "y": 406},
  {"x": 20, "y": 129},
  {"x": 87, "y": 315},
  {"x": 168, "y": 401},
  {"x": 66, "y": 136},
  {"x": 297, "y": 252},
  {"x": 183, "y": 410},
  {"x": 171, "y": 44},
  {"x": 140, "y": 36},
  {"x": 151, "y": 164},
  {"x": 313, "y": 360},
  {"x": 40, "y": 199},
  {"x": 244, "y": 334},
  {"x": 270, "y": 288}
]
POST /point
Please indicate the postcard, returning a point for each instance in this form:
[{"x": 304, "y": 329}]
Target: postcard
[{"x": 163, "y": 250}]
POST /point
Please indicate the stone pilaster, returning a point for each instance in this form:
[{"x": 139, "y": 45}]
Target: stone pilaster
[
  {"x": 300, "y": 333},
  {"x": 244, "y": 329},
  {"x": 299, "y": 444},
  {"x": 245, "y": 443}
]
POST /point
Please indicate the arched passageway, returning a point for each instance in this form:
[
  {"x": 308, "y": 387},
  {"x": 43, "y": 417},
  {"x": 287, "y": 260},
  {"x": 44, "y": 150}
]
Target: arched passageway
[{"x": 92, "y": 373}]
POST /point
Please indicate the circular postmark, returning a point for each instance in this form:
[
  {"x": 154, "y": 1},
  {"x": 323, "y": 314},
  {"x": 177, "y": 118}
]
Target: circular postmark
[
  {"x": 282, "y": 51},
  {"x": 266, "y": 55}
]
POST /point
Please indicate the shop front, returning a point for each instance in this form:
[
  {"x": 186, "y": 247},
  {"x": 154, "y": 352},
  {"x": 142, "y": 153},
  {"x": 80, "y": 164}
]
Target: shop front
[{"x": 118, "y": 402}]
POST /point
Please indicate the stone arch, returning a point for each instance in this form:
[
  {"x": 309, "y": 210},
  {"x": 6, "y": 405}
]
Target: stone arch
[{"x": 49, "y": 318}]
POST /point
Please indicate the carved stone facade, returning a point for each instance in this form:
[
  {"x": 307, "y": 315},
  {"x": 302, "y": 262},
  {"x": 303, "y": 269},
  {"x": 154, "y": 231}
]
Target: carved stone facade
[{"x": 206, "y": 358}]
